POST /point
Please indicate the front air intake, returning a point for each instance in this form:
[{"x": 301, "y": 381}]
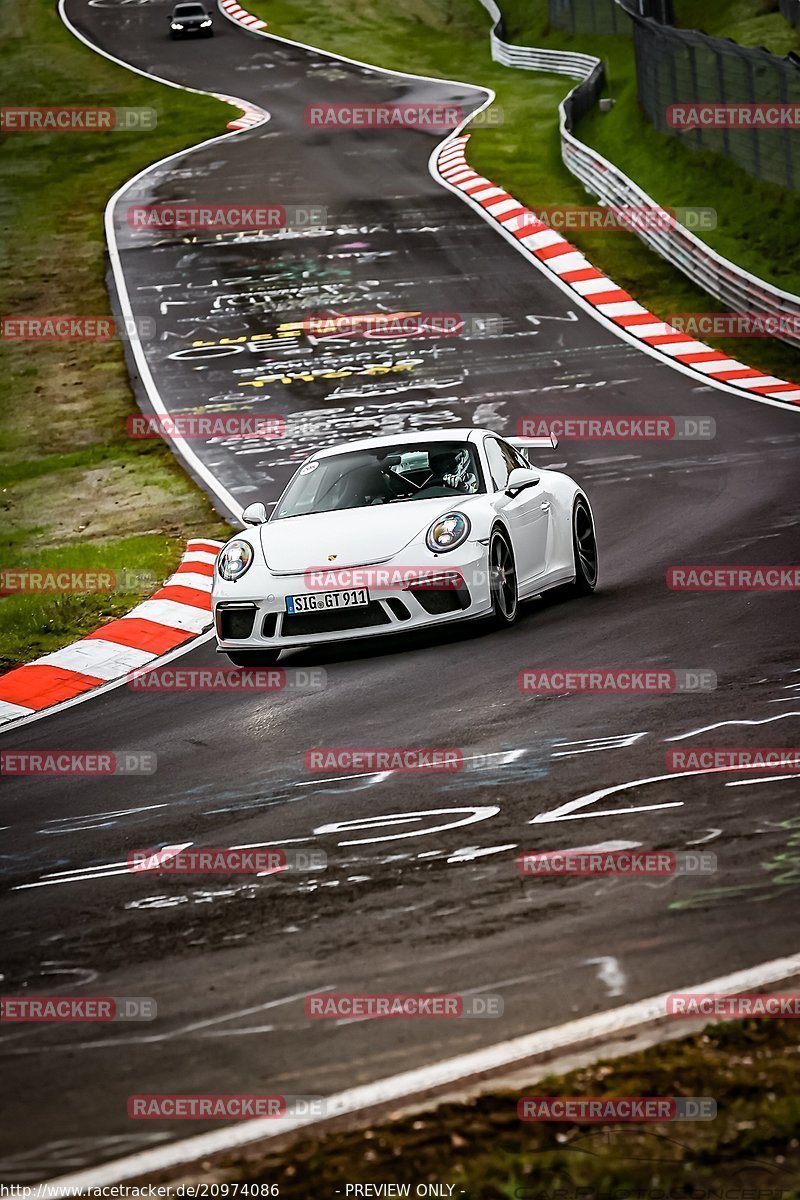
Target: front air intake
[{"x": 235, "y": 621}]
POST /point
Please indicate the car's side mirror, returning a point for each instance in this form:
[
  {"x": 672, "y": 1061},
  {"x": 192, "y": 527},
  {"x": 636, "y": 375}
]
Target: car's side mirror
[
  {"x": 254, "y": 514},
  {"x": 519, "y": 479}
]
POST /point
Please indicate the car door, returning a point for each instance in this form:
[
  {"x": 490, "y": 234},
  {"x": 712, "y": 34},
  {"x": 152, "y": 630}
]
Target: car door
[{"x": 527, "y": 514}]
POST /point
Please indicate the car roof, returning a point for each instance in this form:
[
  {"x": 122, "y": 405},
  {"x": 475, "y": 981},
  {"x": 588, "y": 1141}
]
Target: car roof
[{"x": 461, "y": 433}]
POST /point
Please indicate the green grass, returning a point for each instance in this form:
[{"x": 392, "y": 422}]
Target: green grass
[
  {"x": 449, "y": 39},
  {"x": 748, "y": 22},
  {"x": 758, "y": 224},
  {"x": 74, "y": 489},
  {"x": 44, "y": 621},
  {"x": 750, "y": 1151}
]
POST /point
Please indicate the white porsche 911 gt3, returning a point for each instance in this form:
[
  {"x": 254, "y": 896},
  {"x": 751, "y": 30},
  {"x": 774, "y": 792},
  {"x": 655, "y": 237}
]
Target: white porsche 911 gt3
[{"x": 400, "y": 533}]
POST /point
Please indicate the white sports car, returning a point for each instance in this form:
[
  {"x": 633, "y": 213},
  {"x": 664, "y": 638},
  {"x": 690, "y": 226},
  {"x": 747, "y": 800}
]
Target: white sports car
[{"x": 401, "y": 533}]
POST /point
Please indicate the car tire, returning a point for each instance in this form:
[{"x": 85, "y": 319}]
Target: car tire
[
  {"x": 254, "y": 658},
  {"x": 584, "y": 553},
  {"x": 502, "y": 581}
]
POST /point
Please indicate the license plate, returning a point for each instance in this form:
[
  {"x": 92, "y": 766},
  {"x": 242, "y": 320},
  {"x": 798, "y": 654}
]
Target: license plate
[{"x": 315, "y": 601}]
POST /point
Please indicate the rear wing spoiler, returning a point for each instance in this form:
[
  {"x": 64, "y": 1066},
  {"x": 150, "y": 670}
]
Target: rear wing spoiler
[{"x": 523, "y": 444}]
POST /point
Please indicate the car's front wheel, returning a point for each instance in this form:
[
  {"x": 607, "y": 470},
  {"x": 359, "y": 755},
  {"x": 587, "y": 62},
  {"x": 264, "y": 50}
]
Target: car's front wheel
[
  {"x": 254, "y": 658},
  {"x": 502, "y": 581}
]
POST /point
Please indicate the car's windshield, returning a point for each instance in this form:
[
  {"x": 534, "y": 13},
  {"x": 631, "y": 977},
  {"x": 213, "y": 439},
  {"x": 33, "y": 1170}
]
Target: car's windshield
[
  {"x": 382, "y": 475},
  {"x": 189, "y": 10}
]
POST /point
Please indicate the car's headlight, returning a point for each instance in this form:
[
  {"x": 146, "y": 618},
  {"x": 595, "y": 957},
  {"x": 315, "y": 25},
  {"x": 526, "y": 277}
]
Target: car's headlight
[
  {"x": 234, "y": 559},
  {"x": 177, "y": 25},
  {"x": 447, "y": 532},
  {"x": 204, "y": 24}
]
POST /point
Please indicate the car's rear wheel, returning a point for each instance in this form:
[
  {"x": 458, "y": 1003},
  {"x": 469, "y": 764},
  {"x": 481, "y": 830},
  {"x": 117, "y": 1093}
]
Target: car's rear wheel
[
  {"x": 584, "y": 545},
  {"x": 502, "y": 581},
  {"x": 254, "y": 658}
]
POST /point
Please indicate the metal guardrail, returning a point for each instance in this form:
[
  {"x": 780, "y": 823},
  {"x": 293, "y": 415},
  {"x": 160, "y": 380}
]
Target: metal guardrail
[
  {"x": 721, "y": 278},
  {"x": 559, "y": 62},
  {"x": 608, "y": 16},
  {"x": 790, "y": 9}
]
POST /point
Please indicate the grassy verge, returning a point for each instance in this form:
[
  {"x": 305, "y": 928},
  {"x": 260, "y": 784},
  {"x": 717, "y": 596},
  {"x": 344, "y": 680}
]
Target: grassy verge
[
  {"x": 758, "y": 224},
  {"x": 748, "y": 22},
  {"x": 74, "y": 490},
  {"x": 449, "y": 39},
  {"x": 487, "y": 1153}
]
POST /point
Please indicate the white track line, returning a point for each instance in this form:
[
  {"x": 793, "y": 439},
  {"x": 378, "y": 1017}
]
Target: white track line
[
  {"x": 425, "y": 1079},
  {"x": 180, "y": 446}
]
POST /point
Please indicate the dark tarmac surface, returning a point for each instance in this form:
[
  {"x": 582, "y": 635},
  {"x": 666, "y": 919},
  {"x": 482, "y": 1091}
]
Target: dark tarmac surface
[{"x": 434, "y": 904}]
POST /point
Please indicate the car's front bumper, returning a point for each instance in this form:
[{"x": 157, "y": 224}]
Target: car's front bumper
[{"x": 251, "y": 614}]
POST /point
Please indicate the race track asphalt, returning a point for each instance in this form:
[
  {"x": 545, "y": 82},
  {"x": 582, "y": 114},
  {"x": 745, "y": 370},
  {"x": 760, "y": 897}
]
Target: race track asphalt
[{"x": 434, "y": 903}]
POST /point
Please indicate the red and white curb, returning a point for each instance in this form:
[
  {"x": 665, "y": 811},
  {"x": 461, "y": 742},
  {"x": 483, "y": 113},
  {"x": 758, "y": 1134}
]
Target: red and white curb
[
  {"x": 251, "y": 116},
  {"x": 178, "y": 612},
  {"x": 241, "y": 16},
  {"x": 561, "y": 258}
]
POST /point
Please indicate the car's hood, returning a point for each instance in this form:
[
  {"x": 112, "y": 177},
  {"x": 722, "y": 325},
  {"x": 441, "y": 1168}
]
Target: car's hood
[
  {"x": 352, "y": 537},
  {"x": 190, "y": 20}
]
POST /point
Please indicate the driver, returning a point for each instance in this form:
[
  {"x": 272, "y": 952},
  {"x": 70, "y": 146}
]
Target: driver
[{"x": 453, "y": 469}]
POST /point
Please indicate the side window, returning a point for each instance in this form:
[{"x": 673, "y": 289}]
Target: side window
[
  {"x": 499, "y": 463},
  {"x": 513, "y": 457}
]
